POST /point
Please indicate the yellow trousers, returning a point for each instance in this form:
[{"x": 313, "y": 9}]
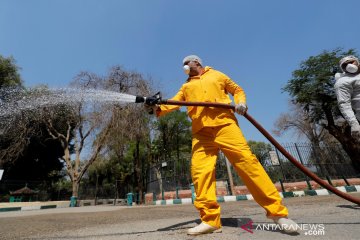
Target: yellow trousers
[{"x": 229, "y": 139}]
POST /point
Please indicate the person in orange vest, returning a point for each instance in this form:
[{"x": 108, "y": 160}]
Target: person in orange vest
[{"x": 215, "y": 129}]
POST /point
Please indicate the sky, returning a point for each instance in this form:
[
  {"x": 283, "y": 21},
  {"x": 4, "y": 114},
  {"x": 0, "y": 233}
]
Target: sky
[{"x": 256, "y": 43}]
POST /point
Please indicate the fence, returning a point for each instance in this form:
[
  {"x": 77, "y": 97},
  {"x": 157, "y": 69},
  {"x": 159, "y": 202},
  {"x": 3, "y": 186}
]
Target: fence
[
  {"x": 324, "y": 160},
  {"x": 45, "y": 191},
  {"x": 108, "y": 191}
]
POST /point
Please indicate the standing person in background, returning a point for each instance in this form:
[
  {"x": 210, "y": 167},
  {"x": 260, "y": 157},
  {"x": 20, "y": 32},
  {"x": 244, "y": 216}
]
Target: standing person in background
[
  {"x": 347, "y": 89},
  {"x": 215, "y": 129}
]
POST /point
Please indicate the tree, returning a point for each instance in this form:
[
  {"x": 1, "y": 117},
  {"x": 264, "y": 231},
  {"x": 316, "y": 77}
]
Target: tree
[
  {"x": 132, "y": 122},
  {"x": 172, "y": 142},
  {"x": 101, "y": 175},
  {"x": 9, "y": 73},
  {"x": 297, "y": 119},
  {"x": 38, "y": 162},
  {"x": 86, "y": 124},
  {"x": 26, "y": 153},
  {"x": 174, "y": 133},
  {"x": 261, "y": 150},
  {"x": 26, "y": 150},
  {"x": 9, "y": 79},
  {"x": 312, "y": 88},
  {"x": 129, "y": 130}
]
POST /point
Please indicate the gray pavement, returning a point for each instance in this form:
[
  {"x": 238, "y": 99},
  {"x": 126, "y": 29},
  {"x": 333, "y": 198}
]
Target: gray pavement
[{"x": 329, "y": 217}]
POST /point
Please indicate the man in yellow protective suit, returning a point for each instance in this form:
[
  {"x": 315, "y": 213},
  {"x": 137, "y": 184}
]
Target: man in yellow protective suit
[{"x": 215, "y": 129}]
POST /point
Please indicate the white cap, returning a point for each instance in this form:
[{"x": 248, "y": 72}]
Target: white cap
[
  {"x": 192, "y": 58},
  {"x": 347, "y": 59}
]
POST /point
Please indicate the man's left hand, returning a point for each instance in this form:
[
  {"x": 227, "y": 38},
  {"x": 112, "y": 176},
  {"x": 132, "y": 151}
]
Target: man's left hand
[{"x": 151, "y": 109}]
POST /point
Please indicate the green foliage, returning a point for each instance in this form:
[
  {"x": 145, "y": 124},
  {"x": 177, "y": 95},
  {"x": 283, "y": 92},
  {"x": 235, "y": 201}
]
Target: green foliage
[
  {"x": 105, "y": 174},
  {"x": 261, "y": 150},
  {"x": 173, "y": 135},
  {"x": 287, "y": 172},
  {"x": 61, "y": 190},
  {"x": 9, "y": 73}
]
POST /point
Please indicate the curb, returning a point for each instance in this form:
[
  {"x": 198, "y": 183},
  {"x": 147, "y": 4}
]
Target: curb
[
  {"x": 318, "y": 192},
  {"x": 29, "y": 208}
]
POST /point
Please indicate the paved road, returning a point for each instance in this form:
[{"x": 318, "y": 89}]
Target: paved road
[{"x": 337, "y": 218}]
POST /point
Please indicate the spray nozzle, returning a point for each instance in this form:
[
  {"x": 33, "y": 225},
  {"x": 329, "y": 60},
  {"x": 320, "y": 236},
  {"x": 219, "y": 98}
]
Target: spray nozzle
[{"x": 151, "y": 101}]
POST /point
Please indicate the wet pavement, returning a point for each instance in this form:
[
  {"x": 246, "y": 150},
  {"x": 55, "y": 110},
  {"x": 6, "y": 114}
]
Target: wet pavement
[{"x": 319, "y": 217}]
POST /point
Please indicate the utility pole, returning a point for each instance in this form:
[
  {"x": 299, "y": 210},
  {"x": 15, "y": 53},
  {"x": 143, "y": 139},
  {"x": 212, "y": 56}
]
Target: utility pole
[{"x": 231, "y": 181}]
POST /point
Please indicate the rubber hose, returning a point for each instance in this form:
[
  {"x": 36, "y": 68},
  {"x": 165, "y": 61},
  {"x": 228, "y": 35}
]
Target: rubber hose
[{"x": 273, "y": 141}]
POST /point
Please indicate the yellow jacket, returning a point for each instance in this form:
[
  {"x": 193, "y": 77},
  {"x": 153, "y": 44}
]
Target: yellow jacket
[{"x": 211, "y": 86}]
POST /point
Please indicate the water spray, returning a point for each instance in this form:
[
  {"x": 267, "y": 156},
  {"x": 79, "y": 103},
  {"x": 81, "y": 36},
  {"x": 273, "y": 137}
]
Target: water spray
[
  {"x": 14, "y": 101},
  {"x": 156, "y": 99}
]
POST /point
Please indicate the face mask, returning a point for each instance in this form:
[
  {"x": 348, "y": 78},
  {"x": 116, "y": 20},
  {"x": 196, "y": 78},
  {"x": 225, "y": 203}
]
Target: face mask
[
  {"x": 351, "y": 68},
  {"x": 186, "y": 69}
]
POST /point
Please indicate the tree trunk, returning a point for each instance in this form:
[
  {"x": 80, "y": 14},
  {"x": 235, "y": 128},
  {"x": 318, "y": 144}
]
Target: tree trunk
[
  {"x": 96, "y": 187},
  {"x": 353, "y": 150},
  {"x": 75, "y": 193},
  {"x": 159, "y": 178},
  {"x": 137, "y": 171},
  {"x": 75, "y": 188},
  {"x": 324, "y": 163},
  {"x": 351, "y": 147},
  {"x": 343, "y": 135}
]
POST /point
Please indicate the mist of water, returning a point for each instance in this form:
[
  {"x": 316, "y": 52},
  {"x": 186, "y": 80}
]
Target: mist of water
[{"x": 14, "y": 101}]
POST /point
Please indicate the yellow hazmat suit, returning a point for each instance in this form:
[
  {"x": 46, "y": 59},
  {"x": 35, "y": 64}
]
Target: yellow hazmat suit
[{"x": 217, "y": 129}]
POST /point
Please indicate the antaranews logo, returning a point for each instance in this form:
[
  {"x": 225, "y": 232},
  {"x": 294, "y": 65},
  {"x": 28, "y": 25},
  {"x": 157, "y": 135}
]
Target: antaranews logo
[
  {"x": 248, "y": 226},
  {"x": 309, "y": 229}
]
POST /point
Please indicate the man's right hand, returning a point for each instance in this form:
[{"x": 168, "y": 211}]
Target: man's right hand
[
  {"x": 355, "y": 131},
  {"x": 241, "y": 108}
]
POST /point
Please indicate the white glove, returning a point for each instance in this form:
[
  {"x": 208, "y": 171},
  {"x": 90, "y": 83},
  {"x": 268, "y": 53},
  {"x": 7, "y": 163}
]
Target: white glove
[
  {"x": 151, "y": 109},
  {"x": 240, "y": 108},
  {"x": 355, "y": 130}
]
